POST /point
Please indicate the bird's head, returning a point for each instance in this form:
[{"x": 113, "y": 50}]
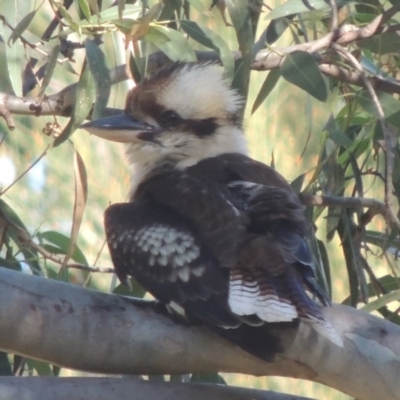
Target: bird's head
[{"x": 182, "y": 114}]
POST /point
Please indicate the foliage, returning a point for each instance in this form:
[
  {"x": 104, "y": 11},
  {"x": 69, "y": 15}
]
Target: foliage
[{"x": 340, "y": 53}]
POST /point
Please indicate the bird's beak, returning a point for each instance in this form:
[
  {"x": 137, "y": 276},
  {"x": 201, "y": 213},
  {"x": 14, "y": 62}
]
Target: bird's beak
[{"x": 121, "y": 128}]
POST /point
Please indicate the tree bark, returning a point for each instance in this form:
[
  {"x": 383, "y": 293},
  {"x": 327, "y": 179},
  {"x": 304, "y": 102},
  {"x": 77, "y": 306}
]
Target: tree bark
[{"x": 90, "y": 331}]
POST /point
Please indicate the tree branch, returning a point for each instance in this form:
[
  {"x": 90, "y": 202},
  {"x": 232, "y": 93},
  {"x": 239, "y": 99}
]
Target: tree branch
[
  {"x": 86, "y": 330},
  {"x": 61, "y": 103},
  {"x": 122, "y": 389}
]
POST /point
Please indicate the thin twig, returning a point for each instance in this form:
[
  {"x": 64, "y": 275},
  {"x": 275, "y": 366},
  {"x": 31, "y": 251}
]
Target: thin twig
[
  {"x": 354, "y": 78},
  {"x": 345, "y": 202},
  {"x": 27, "y": 239},
  {"x": 90, "y": 269}
]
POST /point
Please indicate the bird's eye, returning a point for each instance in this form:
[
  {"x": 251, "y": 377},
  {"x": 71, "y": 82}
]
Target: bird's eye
[{"x": 169, "y": 118}]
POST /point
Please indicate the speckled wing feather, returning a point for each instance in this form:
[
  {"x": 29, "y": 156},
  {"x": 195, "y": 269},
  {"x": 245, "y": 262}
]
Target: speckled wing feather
[
  {"x": 168, "y": 258},
  {"x": 202, "y": 203}
]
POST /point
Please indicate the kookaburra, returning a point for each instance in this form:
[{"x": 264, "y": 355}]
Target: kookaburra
[{"x": 207, "y": 230}]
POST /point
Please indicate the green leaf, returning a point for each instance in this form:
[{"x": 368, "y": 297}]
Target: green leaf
[
  {"x": 21, "y": 27},
  {"x": 298, "y": 6},
  {"x": 68, "y": 17},
  {"x": 112, "y": 13},
  {"x": 84, "y": 6},
  {"x": 300, "y": 69},
  {"x": 388, "y": 282},
  {"x": 137, "y": 290},
  {"x": 31, "y": 256},
  {"x": 270, "y": 82},
  {"x": 324, "y": 275},
  {"x": 42, "y": 368},
  {"x": 382, "y": 301},
  {"x": 170, "y": 42},
  {"x": 50, "y": 66},
  {"x": 15, "y": 56},
  {"x": 14, "y": 11},
  {"x": 350, "y": 256},
  {"x": 212, "y": 377},
  {"x": 5, "y": 366},
  {"x": 240, "y": 16},
  {"x": 297, "y": 184},
  {"x": 10, "y": 263},
  {"x": 388, "y": 42},
  {"x": 198, "y": 5},
  {"x": 62, "y": 242},
  {"x": 84, "y": 99},
  {"x": 210, "y": 39},
  {"x": 391, "y": 106},
  {"x": 101, "y": 76}
]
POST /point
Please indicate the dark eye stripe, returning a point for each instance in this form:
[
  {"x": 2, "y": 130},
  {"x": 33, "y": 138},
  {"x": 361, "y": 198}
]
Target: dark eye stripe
[{"x": 202, "y": 127}]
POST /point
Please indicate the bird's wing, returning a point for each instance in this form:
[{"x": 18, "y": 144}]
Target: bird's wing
[
  {"x": 169, "y": 259},
  {"x": 275, "y": 268},
  {"x": 202, "y": 203}
]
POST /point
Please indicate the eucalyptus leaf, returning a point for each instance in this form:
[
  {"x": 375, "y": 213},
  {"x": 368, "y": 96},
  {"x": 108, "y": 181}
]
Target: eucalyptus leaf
[
  {"x": 22, "y": 26},
  {"x": 240, "y": 16},
  {"x": 300, "y": 69},
  {"x": 84, "y": 6},
  {"x": 210, "y": 39},
  {"x": 298, "y": 6},
  {"x": 267, "y": 87},
  {"x": 50, "y": 66},
  {"x": 62, "y": 242},
  {"x": 382, "y": 301},
  {"x": 85, "y": 93},
  {"x": 101, "y": 77},
  {"x": 171, "y": 42}
]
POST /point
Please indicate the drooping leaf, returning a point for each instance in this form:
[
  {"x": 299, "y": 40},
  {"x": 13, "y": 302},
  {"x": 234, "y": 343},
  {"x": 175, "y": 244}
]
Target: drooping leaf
[
  {"x": 297, "y": 184},
  {"x": 79, "y": 204},
  {"x": 212, "y": 377},
  {"x": 42, "y": 368},
  {"x": 382, "y": 301},
  {"x": 171, "y": 42},
  {"x": 240, "y": 16},
  {"x": 210, "y": 39},
  {"x": 325, "y": 264},
  {"x": 22, "y": 26},
  {"x": 290, "y": 7},
  {"x": 101, "y": 77},
  {"x": 51, "y": 64},
  {"x": 84, "y": 99},
  {"x": 384, "y": 43},
  {"x": 14, "y": 12},
  {"x": 198, "y": 5},
  {"x": 270, "y": 82},
  {"x": 94, "y": 6},
  {"x": 139, "y": 29},
  {"x": 70, "y": 20},
  {"x": 300, "y": 69},
  {"x": 390, "y": 105},
  {"x": 349, "y": 251},
  {"x": 84, "y": 6},
  {"x": 30, "y": 255},
  {"x": 5, "y": 366},
  {"x": 62, "y": 242}
]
